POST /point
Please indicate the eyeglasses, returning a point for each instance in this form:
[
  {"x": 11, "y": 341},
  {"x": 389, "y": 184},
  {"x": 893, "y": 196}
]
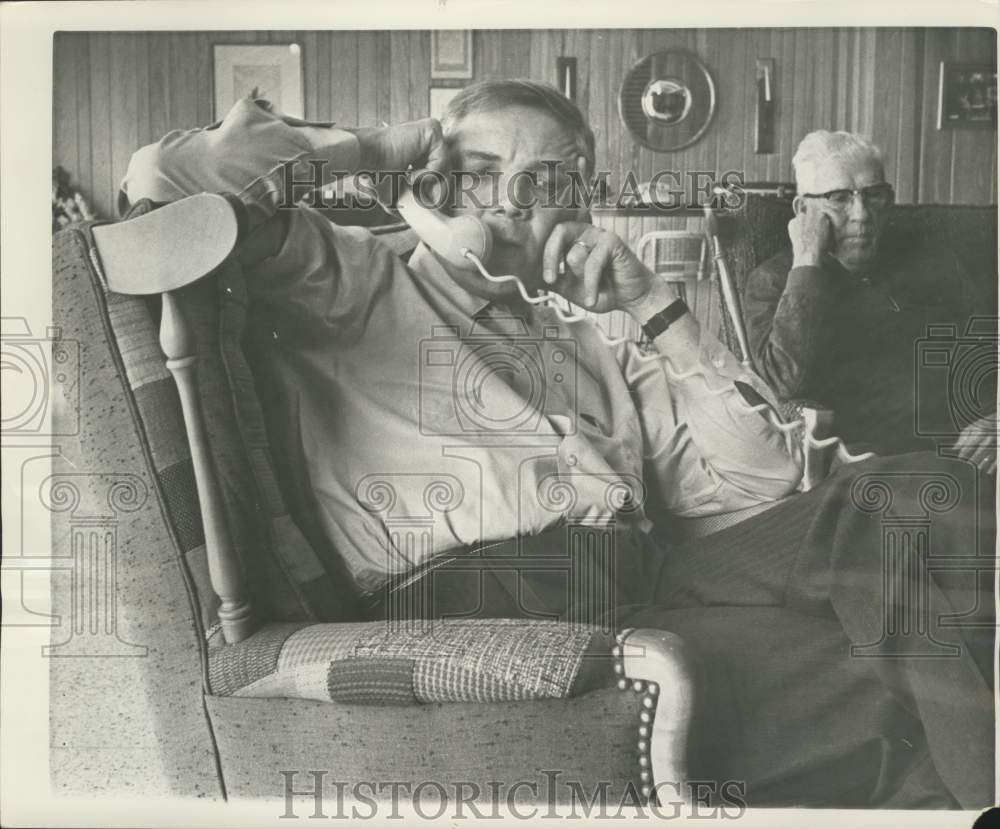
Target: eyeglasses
[{"x": 876, "y": 197}]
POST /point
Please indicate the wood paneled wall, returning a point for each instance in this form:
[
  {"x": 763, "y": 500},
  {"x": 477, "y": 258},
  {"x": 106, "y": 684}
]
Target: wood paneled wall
[{"x": 117, "y": 91}]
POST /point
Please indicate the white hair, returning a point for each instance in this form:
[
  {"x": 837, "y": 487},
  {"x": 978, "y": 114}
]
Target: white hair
[{"x": 823, "y": 145}]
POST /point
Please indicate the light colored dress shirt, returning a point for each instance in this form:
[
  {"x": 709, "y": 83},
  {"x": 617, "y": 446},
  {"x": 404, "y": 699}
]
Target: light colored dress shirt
[{"x": 416, "y": 404}]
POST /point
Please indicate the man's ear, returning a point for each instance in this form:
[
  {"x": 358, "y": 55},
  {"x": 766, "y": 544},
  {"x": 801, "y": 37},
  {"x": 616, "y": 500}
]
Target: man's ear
[{"x": 798, "y": 205}]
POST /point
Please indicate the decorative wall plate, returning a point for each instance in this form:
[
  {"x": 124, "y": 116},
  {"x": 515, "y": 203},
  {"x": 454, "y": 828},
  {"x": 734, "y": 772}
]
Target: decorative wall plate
[{"x": 667, "y": 100}]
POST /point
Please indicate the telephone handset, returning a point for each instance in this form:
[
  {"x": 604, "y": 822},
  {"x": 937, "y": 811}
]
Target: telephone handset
[{"x": 452, "y": 237}]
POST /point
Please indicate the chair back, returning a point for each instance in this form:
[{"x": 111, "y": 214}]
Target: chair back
[
  {"x": 677, "y": 256},
  {"x": 289, "y": 570}
]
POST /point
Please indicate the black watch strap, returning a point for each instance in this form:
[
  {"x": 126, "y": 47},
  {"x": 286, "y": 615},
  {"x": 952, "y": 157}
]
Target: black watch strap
[{"x": 660, "y": 322}]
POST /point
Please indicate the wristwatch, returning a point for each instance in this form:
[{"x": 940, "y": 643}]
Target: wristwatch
[{"x": 661, "y": 321}]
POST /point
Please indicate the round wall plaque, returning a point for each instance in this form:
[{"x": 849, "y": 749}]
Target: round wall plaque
[{"x": 667, "y": 100}]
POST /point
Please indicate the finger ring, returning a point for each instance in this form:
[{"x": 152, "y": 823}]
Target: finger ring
[{"x": 582, "y": 244}]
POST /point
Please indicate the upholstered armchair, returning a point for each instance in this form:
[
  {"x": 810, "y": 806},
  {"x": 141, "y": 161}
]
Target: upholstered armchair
[{"x": 253, "y": 664}]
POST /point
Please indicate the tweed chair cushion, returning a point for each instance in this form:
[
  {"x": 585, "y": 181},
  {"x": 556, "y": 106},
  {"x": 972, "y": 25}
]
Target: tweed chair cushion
[{"x": 419, "y": 661}]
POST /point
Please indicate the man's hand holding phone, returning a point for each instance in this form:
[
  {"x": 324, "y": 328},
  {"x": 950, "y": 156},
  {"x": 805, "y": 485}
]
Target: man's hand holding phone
[
  {"x": 811, "y": 232},
  {"x": 600, "y": 273}
]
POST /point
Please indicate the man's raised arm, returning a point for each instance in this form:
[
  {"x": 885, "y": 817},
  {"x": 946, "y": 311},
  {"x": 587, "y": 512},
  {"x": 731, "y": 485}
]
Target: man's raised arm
[
  {"x": 245, "y": 154},
  {"x": 313, "y": 274},
  {"x": 708, "y": 449},
  {"x": 786, "y": 305}
]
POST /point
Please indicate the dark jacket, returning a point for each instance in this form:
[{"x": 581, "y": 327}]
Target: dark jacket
[{"x": 849, "y": 341}]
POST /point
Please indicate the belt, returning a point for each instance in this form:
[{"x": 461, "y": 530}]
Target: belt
[{"x": 546, "y": 567}]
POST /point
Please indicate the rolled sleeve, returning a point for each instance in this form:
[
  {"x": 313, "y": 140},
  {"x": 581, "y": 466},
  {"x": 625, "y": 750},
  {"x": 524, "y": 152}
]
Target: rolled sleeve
[
  {"x": 706, "y": 446},
  {"x": 323, "y": 277},
  {"x": 246, "y": 154}
]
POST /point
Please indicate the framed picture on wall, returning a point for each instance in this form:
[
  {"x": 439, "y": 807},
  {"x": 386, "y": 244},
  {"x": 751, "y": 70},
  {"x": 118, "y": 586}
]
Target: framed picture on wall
[
  {"x": 451, "y": 54},
  {"x": 272, "y": 72},
  {"x": 967, "y": 95}
]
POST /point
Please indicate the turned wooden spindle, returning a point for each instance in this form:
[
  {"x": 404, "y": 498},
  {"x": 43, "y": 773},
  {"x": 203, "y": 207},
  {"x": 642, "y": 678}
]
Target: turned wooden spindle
[{"x": 225, "y": 572}]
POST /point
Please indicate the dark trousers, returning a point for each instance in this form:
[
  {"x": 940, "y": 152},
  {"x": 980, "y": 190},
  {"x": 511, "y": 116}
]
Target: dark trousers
[{"x": 844, "y": 638}]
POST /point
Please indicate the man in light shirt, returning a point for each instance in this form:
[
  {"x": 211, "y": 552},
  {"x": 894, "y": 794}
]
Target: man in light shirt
[{"x": 423, "y": 389}]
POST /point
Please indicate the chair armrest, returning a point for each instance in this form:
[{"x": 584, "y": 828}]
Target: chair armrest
[
  {"x": 184, "y": 241},
  {"x": 472, "y": 660},
  {"x": 654, "y": 663}
]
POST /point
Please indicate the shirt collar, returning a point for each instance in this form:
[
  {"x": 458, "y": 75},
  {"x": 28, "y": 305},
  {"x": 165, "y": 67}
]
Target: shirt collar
[
  {"x": 426, "y": 264},
  {"x": 876, "y": 271}
]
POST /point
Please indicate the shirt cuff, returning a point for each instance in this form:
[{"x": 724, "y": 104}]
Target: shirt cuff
[{"x": 340, "y": 147}]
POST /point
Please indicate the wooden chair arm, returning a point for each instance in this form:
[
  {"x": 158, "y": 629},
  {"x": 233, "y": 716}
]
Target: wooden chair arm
[
  {"x": 654, "y": 663},
  {"x": 159, "y": 253}
]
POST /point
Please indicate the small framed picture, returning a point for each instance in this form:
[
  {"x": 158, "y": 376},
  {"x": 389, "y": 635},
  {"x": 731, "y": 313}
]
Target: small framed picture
[
  {"x": 272, "y": 72},
  {"x": 967, "y": 95},
  {"x": 451, "y": 54}
]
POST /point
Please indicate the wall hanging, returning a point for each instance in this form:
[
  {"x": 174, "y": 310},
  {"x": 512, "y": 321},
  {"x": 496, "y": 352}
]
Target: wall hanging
[
  {"x": 667, "y": 100},
  {"x": 272, "y": 72}
]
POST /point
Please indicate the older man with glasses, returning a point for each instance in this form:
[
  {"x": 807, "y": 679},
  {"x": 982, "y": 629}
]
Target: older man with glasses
[{"x": 836, "y": 317}]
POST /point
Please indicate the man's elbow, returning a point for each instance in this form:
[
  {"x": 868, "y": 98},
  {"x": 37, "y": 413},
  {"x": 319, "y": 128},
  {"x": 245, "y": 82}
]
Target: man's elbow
[
  {"x": 765, "y": 468},
  {"x": 148, "y": 175},
  {"x": 778, "y": 475},
  {"x": 790, "y": 475},
  {"x": 788, "y": 378}
]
